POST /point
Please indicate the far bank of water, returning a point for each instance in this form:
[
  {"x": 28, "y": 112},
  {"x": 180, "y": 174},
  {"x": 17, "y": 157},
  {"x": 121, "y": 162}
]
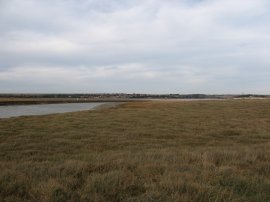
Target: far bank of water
[{"x": 43, "y": 109}]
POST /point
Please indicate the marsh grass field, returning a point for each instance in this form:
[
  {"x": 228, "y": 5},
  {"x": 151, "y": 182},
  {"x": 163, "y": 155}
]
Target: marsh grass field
[{"x": 140, "y": 151}]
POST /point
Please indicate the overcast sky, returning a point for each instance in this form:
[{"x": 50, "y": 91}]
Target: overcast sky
[{"x": 142, "y": 46}]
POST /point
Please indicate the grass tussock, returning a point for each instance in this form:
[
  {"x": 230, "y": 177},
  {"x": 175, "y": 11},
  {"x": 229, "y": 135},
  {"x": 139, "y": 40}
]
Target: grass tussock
[{"x": 152, "y": 151}]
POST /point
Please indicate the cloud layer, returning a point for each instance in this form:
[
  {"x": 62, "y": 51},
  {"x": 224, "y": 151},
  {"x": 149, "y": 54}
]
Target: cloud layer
[{"x": 150, "y": 46}]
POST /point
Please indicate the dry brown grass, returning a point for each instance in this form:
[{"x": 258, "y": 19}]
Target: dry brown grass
[{"x": 152, "y": 151}]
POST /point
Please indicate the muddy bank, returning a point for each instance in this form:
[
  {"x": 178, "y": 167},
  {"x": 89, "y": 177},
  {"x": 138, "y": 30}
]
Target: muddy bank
[{"x": 108, "y": 105}]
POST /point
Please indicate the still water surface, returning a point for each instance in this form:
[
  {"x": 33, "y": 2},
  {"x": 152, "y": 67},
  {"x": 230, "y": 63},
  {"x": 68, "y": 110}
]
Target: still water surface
[{"x": 42, "y": 109}]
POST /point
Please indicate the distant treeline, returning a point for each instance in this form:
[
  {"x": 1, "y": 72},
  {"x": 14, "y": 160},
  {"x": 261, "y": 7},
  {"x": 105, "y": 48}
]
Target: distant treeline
[{"x": 134, "y": 95}]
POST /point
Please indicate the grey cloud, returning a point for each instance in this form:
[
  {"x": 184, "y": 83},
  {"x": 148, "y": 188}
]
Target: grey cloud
[{"x": 180, "y": 46}]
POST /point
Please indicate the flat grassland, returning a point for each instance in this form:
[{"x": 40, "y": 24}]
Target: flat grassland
[{"x": 145, "y": 151}]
